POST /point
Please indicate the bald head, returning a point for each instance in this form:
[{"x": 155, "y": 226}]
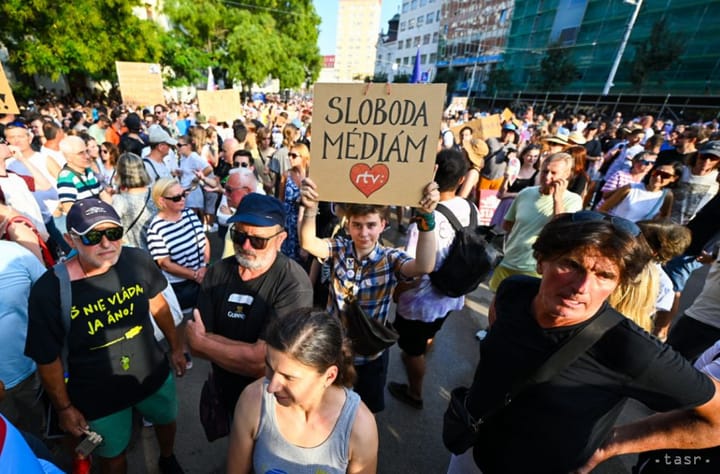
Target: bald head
[{"x": 230, "y": 146}]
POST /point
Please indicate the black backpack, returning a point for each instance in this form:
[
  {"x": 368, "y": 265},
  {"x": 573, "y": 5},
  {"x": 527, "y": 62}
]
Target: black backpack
[{"x": 470, "y": 259}]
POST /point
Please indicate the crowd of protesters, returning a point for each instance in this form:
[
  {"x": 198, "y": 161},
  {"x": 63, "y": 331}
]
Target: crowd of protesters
[{"x": 107, "y": 188}]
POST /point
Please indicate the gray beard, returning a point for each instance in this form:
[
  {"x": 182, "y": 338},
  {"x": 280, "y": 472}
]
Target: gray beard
[{"x": 246, "y": 263}]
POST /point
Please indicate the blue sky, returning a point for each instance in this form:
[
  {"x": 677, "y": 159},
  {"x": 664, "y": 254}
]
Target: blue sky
[{"x": 328, "y": 9}]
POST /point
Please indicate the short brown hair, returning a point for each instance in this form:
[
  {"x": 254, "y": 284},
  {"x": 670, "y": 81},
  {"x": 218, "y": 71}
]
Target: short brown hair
[
  {"x": 665, "y": 238},
  {"x": 564, "y": 236},
  {"x": 359, "y": 210}
]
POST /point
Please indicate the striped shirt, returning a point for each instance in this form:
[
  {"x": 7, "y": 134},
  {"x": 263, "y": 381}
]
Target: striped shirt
[
  {"x": 183, "y": 241},
  {"x": 371, "y": 279},
  {"x": 72, "y": 185}
]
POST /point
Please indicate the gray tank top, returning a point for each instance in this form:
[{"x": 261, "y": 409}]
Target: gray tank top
[{"x": 273, "y": 454}]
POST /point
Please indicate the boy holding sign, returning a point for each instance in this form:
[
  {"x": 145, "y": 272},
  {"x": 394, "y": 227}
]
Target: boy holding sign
[{"x": 364, "y": 268}]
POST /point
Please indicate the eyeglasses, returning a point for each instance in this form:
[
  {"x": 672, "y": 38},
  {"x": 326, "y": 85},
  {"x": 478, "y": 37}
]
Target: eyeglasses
[
  {"x": 94, "y": 237},
  {"x": 258, "y": 243},
  {"x": 618, "y": 222},
  {"x": 241, "y": 164},
  {"x": 177, "y": 198},
  {"x": 645, "y": 162},
  {"x": 180, "y": 145},
  {"x": 663, "y": 174}
]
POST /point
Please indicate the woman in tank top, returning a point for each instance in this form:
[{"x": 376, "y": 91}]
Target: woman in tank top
[{"x": 301, "y": 417}]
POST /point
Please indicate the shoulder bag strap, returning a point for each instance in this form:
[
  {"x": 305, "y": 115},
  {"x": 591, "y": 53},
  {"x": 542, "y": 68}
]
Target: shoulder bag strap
[
  {"x": 157, "y": 175},
  {"x": 147, "y": 198},
  {"x": 61, "y": 272},
  {"x": 573, "y": 348},
  {"x": 454, "y": 222}
]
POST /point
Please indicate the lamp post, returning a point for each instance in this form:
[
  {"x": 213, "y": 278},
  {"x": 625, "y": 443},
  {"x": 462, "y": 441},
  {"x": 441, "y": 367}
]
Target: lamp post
[{"x": 623, "y": 44}]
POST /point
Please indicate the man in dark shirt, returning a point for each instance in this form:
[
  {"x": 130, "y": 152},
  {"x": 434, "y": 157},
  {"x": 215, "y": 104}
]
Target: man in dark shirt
[
  {"x": 105, "y": 347},
  {"x": 684, "y": 151},
  {"x": 567, "y": 424},
  {"x": 242, "y": 293}
]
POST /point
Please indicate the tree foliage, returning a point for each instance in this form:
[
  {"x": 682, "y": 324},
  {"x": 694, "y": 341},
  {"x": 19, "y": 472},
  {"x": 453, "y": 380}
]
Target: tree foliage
[
  {"x": 556, "y": 68},
  {"x": 655, "y": 54},
  {"x": 499, "y": 79},
  {"x": 248, "y": 41},
  {"x": 448, "y": 76},
  {"x": 78, "y": 38},
  {"x": 263, "y": 38}
]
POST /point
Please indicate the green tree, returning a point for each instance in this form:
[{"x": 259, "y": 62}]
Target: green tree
[
  {"x": 499, "y": 79},
  {"x": 655, "y": 54},
  {"x": 556, "y": 68},
  {"x": 263, "y": 38},
  {"x": 78, "y": 39},
  {"x": 448, "y": 76}
]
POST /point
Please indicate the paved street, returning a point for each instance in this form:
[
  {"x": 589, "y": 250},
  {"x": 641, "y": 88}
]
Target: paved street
[{"x": 410, "y": 440}]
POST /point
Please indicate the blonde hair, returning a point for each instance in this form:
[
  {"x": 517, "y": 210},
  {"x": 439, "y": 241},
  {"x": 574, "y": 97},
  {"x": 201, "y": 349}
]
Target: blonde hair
[
  {"x": 636, "y": 299},
  {"x": 159, "y": 189}
]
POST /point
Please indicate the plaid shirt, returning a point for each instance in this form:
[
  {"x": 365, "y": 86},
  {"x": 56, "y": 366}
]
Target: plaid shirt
[{"x": 371, "y": 280}]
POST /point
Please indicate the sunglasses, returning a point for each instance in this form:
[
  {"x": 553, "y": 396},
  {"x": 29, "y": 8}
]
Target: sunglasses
[
  {"x": 293, "y": 155},
  {"x": 94, "y": 237},
  {"x": 645, "y": 162},
  {"x": 663, "y": 174},
  {"x": 258, "y": 243},
  {"x": 177, "y": 198},
  {"x": 230, "y": 189},
  {"x": 241, "y": 165},
  {"x": 617, "y": 222}
]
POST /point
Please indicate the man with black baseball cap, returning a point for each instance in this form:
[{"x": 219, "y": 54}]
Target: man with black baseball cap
[
  {"x": 242, "y": 293},
  {"x": 105, "y": 347}
]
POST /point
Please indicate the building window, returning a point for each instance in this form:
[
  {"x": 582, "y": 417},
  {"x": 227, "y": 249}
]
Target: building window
[
  {"x": 406, "y": 6},
  {"x": 426, "y": 39},
  {"x": 408, "y": 42},
  {"x": 423, "y": 59},
  {"x": 411, "y": 23},
  {"x": 402, "y": 26},
  {"x": 416, "y": 41},
  {"x": 400, "y": 43},
  {"x": 413, "y": 4},
  {"x": 435, "y": 37},
  {"x": 437, "y": 15},
  {"x": 420, "y": 21},
  {"x": 429, "y": 18},
  {"x": 503, "y": 16},
  {"x": 433, "y": 58},
  {"x": 406, "y": 60},
  {"x": 423, "y": 3}
]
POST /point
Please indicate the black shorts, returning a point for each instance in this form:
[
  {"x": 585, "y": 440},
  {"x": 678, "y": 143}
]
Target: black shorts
[{"x": 414, "y": 334}]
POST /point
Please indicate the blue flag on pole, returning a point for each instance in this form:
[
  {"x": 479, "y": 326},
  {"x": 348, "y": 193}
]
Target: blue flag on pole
[{"x": 416, "y": 69}]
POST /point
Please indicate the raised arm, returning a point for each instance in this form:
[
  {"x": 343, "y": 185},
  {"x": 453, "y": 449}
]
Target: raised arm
[
  {"x": 424, "y": 261},
  {"x": 309, "y": 241}
]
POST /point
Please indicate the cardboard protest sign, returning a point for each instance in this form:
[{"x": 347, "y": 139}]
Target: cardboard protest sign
[
  {"x": 375, "y": 144},
  {"x": 7, "y": 99},
  {"x": 458, "y": 104},
  {"x": 487, "y": 205},
  {"x": 483, "y": 127},
  {"x": 224, "y": 104},
  {"x": 140, "y": 83}
]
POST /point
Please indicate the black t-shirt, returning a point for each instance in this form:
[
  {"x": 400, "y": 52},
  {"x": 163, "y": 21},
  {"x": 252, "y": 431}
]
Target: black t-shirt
[
  {"x": 241, "y": 310},
  {"x": 704, "y": 226},
  {"x": 113, "y": 359},
  {"x": 556, "y": 426}
]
